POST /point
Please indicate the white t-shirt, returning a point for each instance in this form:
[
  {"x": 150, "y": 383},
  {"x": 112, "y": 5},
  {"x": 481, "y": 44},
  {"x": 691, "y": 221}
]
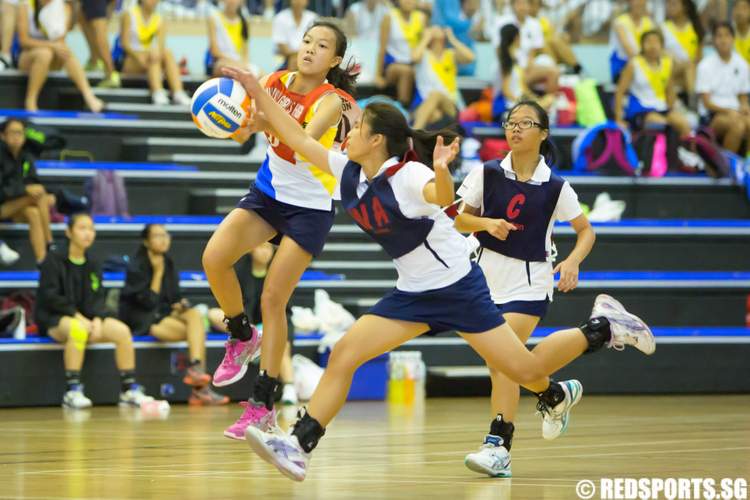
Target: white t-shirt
[
  {"x": 723, "y": 81},
  {"x": 368, "y": 22},
  {"x": 285, "y": 30},
  {"x": 507, "y": 277},
  {"x": 532, "y": 36},
  {"x": 418, "y": 270}
]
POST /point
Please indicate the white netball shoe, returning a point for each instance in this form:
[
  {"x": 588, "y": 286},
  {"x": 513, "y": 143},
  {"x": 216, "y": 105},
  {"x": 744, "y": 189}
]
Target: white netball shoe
[
  {"x": 76, "y": 399},
  {"x": 626, "y": 328},
  {"x": 555, "y": 420},
  {"x": 281, "y": 450},
  {"x": 491, "y": 459}
]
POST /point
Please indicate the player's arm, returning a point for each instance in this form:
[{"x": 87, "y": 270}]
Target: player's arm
[
  {"x": 287, "y": 129},
  {"x": 568, "y": 268},
  {"x": 469, "y": 220},
  {"x": 440, "y": 191},
  {"x": 326, "y": 116}
]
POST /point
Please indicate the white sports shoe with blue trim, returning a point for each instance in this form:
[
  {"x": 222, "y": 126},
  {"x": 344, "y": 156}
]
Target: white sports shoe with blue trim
[
  {"x": 555, "y": 420},
  {"x": 491, "y": 459}
]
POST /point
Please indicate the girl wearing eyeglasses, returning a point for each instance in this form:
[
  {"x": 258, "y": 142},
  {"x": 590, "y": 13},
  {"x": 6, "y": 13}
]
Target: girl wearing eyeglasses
[{"x": 511, "y": 206}]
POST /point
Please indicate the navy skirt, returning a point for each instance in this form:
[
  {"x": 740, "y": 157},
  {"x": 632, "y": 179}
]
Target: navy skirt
[
  {"x": 536, "y": 308},
  {"x": 464, "y": 306},
  {"x": 306, "y": 226}
]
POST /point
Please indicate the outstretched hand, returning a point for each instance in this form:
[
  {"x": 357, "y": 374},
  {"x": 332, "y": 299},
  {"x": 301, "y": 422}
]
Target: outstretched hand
[
  {"x": 443, "y": 154},
  {"x": 246, "y": 78}
]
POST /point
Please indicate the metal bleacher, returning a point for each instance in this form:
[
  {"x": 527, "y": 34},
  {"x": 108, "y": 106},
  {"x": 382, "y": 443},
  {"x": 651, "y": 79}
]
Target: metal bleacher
[{"x": 679, "y": 258}]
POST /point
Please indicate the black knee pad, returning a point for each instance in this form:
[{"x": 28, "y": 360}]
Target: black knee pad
[{"x": 597, "y": 333}]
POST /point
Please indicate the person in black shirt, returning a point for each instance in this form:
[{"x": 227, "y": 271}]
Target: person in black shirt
[
  {"x": 151, "y": 302},
  {"x": 70, "y": 309},
  {"x": 22, "y": 196}
]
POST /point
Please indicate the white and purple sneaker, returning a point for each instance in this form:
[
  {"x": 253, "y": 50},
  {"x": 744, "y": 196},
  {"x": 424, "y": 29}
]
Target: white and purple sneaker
[
  {"x": 257, "y": 416},
  {"x": 281, "y": 450},
  {"x": 626, "y": 328},
  {"x": 236, "y": 358}
]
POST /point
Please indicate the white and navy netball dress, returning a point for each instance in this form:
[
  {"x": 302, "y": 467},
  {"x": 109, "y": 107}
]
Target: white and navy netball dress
[
  {"x": 437, "y": 283},
  {"x": 519, "y": 269}
]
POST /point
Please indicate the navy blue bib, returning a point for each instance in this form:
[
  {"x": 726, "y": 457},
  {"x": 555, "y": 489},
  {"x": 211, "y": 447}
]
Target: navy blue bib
[
  {"x": 378, "y": 213},
  {"x": 528, "y": 206}
]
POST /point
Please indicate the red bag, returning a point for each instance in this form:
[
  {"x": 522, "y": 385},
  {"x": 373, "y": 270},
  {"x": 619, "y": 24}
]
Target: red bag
[
  {"x": 26, "y": 300},
  {"x": 494, "y": 149},
  {"x": 567, "y": 115}
]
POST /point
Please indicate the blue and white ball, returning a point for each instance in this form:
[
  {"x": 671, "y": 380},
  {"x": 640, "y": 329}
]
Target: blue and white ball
[{"x": 220, "y": 106}]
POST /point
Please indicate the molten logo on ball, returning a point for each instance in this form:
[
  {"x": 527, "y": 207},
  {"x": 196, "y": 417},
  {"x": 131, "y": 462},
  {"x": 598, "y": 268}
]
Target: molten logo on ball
[{"x": 219, "y": 107}]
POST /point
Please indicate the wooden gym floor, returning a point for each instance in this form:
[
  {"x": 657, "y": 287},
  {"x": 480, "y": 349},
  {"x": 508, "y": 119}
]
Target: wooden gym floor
[{"x": 372, "y": 450}]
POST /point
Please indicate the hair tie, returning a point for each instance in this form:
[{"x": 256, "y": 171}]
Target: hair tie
[{"x": 354, "y": 69}]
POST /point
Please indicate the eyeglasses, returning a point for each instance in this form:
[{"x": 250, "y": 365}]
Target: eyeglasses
[{"x": 522, "y": 124}]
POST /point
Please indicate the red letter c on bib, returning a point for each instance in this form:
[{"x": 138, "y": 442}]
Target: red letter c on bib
[{"x": 513, "y": 207}]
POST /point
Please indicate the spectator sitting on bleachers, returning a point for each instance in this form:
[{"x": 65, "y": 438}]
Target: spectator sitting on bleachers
[
  {"x": 94, "y": 20},
  {"x": 460, "y": 16},
  {"x": 741, "y": 18},
  {"x": 364, "y": 17},
  {"x": 42, "y": 26},
  {"x": 625, "y": 36},
  {"x": 512, "y": 85},
  {"x": 540, "y": 71},
  {"x": 289, "y": 26},
  {"x": 683, "y": 40},
  {"x": 400, "y": 32},
  {"x": 436, "y": 72},
  {"x": 22, "y": 196},
  {"x": 648, "y": 79},
  {"x": 152, "y": 303},
  {"x": 556, "y": 44},
  {"x": 723, "y": 84},
  {"x": 70, "y": 308},
  {"x": 143, "y": 38},
  {"x": 228, "y": 33},
  {"x": 9, "y": 9}
]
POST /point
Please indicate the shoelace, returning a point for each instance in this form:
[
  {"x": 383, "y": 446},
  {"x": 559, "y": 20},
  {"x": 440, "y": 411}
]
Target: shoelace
[
  {"x": 250, "y": 412},
  {"x": 231, "y": 355},
  {"x": 542, "y": 408}
]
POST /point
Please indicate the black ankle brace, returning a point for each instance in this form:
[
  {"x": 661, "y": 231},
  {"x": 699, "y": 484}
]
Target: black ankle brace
[
  {"x": 239, "y": 327},
  {"x": 553, "y": 395},
  {"x": 264, "y": 390},
  {"x": 597, "y": 333},
  {"x": 308, "y": 432},
  {"x": 499, "y": 427}
]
